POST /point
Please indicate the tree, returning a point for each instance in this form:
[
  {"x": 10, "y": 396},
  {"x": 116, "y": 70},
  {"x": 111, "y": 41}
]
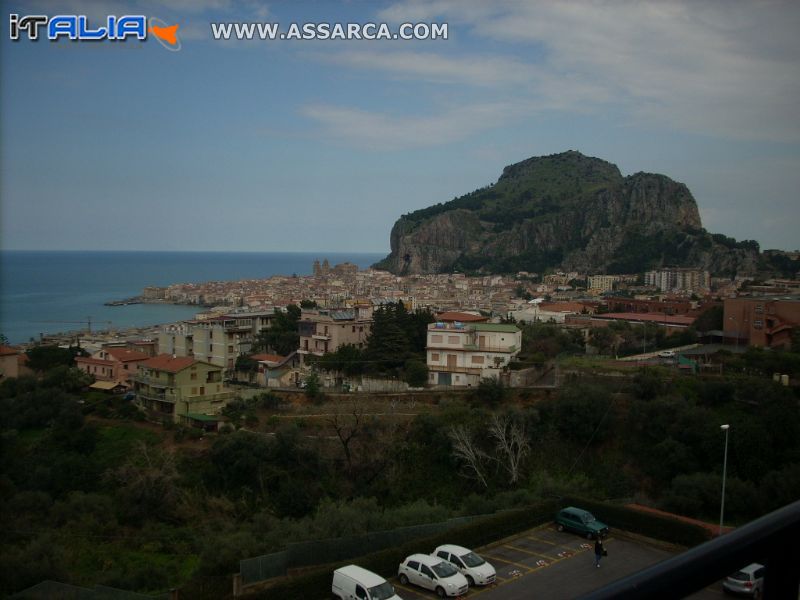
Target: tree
[
  {"x": 512, "y": 444},
  {"x": 245, "y": 364},
  {"x": 491, "y": 391},
  {"x": 43, "y": 358},
  {"x": 347, "y": 359},
  {"x": 467, "y": 451},
  {"x": 308, "y": 304},
  {"x": 347, "y": 427},
  {"x": 416, "y": 373},
  {"x": 282, "y": 336},
  {"x": 313, "y": 387},
  {"x": 388, "y": 345},
  {"x": 148, "y": 485}
]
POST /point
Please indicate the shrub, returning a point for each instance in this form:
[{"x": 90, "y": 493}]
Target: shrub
[{"x": 650, "y": 525}]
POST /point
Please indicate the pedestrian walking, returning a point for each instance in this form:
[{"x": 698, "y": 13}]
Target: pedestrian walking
[{"x": 599, "y": 551}]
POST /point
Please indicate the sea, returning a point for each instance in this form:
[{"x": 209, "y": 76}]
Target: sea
[{"x": 45, "y": 292}]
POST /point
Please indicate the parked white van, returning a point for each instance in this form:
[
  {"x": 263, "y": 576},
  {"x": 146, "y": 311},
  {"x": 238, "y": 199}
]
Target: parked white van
[
  {"x": 470, "y": 565},
  {"x": 354, "y": 583}
]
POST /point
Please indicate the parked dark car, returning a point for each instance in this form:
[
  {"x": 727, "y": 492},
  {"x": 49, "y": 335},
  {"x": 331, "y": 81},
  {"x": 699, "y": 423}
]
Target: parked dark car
[{"x": 580, "y": 521}]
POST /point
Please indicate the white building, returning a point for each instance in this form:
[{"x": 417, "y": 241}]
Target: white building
[
  {"x": 602, "y": 283},
  {"x": 669, "y": 280},
  {"x": 216, "y": 340},
  {"x": 462, "y": 354}
]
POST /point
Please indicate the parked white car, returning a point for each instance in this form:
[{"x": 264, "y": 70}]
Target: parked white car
[
  {"x": 749, "y": 581},
  {"x": 470, "y": 565},
  {"x": 356, "y": 583},
  {"x": 432, "y": 573},
  {"x": 666, "y": 354}
]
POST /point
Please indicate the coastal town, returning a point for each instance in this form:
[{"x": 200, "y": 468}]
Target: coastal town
[{"x": 184, "y": 370}]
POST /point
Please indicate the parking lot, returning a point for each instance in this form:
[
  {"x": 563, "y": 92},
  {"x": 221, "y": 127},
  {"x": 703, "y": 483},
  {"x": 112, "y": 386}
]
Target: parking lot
[{"x": 545, "y": 563}]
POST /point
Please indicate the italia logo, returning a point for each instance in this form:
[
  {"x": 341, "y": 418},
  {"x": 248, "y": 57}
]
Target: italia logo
[{"x": 78, "y": 27}]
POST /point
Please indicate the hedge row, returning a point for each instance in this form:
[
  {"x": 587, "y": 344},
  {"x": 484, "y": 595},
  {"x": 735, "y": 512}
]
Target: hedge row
[
  {"x": 647, "y": 524},
  {"x": 317, "y": 584}
]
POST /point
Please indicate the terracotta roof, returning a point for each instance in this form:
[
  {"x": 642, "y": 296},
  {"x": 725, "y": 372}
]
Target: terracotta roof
[
  {"x": 8, "y": 351},
  {"x": 94, "y": 361},
  {"x": 167, "y": 362},
  {"x": 657, "y": 318},
  {"x": 276, "y": 358},
  {"x": 459, "y": 316},
  {"x": 125, "y": 355},
  {"x": 565, "y": 306}
]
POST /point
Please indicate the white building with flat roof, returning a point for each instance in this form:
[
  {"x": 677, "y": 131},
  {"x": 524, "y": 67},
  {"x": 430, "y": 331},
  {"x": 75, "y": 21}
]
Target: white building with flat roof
[{"x": 461, "y": 354}]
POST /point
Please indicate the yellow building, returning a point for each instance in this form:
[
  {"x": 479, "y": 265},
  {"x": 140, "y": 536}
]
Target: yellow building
[{"x": 180, "y": 388}]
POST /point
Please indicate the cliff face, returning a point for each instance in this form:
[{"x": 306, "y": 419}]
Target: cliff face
[{"x": 569, "y": 211}]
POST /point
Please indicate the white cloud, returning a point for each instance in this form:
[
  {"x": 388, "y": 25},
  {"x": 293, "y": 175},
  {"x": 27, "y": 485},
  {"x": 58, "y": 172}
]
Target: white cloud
[
  {"x": 432, "y": 67},
  {"x": 721, "y": 68},
  {"x": 391, "y": 132}
]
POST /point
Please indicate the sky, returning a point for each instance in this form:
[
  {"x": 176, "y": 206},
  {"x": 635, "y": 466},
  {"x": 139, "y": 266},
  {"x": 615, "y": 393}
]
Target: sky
[{"x": 320, "y": 145}]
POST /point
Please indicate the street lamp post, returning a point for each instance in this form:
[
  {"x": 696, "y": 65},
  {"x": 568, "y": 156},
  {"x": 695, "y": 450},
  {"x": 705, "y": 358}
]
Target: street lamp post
[{"x": 724, "y": 428}]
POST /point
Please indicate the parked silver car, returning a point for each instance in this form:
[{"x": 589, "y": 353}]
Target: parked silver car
[{"x": 748, "y": 581}]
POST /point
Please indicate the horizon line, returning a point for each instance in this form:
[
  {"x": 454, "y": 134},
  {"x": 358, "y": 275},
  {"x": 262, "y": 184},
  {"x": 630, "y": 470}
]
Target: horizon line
[{"x": 197, "y": 251}]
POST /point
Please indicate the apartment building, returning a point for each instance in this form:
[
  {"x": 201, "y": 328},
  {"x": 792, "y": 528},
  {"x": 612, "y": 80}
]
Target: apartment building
[
  {"x": 601, "y": 283},
  {"x": 325, "y": 330},
  {"x": 114, "y": 364},
  {"x": 763, "y": 321},
  {"x": 218, "y": 340},
  {"x": 461, "y": 354},
  {"x": 180, "y": 388},
  {"x": 670, "y": 280}
]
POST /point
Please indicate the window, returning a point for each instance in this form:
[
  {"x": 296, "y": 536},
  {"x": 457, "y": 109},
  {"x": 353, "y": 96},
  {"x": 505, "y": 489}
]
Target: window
[
  {"x": 452, "y": 339},
  {"x": 230, "y": 348},
  {"x": 436, "y": 339},
  {"x": 194, "y": 391},
  {"x": 412, "y": 564},
  {"x": 435, "y": 356},
  {"x": 477, "y": 360},
  {"x": 361, "y": 592},
  {"x": 193, "y": 376},
  {"x": 354, "y": 328},
  {"x": 426, "y": 571}
]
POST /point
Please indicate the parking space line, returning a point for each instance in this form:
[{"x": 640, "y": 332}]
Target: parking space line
[
  {"x": 510, "y": 562},
  {"x": 531, "y": 552},
  {"x": 531, "y": 537},
  {"x": 406, "y": 588}
]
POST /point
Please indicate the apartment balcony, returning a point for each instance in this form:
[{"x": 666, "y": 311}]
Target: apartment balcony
[
  {"x": 499, "y": 349},
  {"x": 153, "y": 382},
  {"x": 175, "y": 397},
  {"x": 170, "y": 398},
  {"x": 446, "y": 369}
]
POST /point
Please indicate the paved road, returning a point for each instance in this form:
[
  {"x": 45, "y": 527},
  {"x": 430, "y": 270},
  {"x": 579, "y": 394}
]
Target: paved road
[{"x": 544, "y": 563}]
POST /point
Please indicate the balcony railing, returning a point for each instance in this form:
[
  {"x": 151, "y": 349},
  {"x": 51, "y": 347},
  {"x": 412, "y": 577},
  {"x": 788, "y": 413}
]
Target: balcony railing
[
  {"x": 473, "y": 348},
  {"x": 157, "y": 397},
  {"x": 771, "y": 540},
  {"x": 153, "y": 381},
  {"x": 468, "y": 370}
]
